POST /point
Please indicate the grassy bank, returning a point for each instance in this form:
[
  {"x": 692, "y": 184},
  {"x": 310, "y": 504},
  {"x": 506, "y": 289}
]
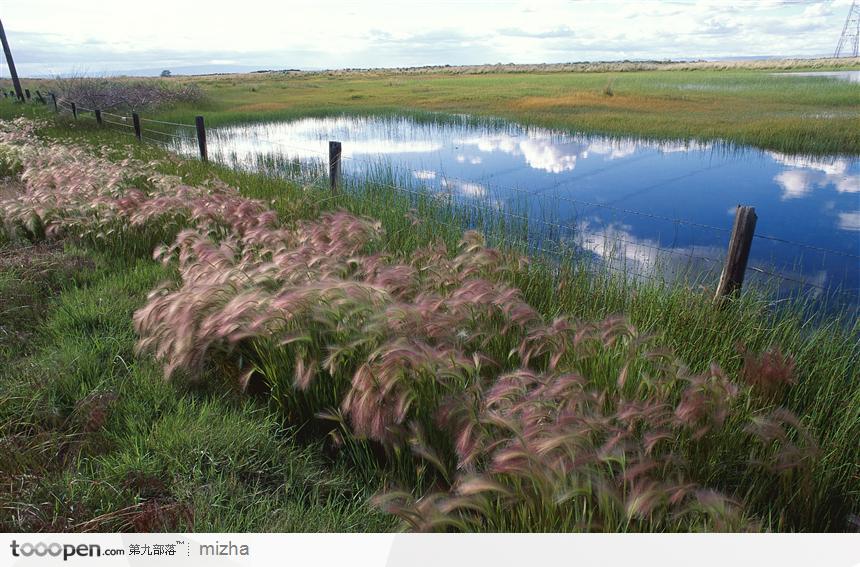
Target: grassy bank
[{"x": 764, "y": 441}]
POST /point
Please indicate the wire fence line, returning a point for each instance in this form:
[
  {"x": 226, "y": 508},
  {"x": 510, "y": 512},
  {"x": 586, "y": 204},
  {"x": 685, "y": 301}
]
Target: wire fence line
[
  {"x": 118, "y": 124},
  {"x": 545, "y": 247},
  {"x": 177, "y": 124},
  {"x": 174, "y": 136},
  {"x": 608, "y": 263},
  {"x": 564, "y": 198},
  {"x": 606, "y": 236}
]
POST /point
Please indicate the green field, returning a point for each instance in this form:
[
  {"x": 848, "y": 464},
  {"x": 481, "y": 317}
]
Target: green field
[
  {"x": 809, "y": 115},
  {"x": 683, "y": 416},
  {"x": 742, "y": 103}
]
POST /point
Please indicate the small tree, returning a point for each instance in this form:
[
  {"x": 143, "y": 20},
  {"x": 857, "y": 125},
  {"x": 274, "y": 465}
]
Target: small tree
[{"x": 165, "y": 73}]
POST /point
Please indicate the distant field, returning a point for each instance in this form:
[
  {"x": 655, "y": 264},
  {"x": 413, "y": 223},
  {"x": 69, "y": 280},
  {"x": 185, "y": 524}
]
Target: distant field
[{"x": 738, "y": 103}]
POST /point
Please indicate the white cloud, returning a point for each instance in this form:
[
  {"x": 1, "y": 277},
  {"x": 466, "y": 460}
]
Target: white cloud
[
  {"x": 617, "y": 246},
  {"x": 795, "y": 183},
  {"x": 57, "y": 36},
  {"x": 849, "y": 221},
  {"x": 807, "y": 173},
  {"x": 465, "y": 188}
]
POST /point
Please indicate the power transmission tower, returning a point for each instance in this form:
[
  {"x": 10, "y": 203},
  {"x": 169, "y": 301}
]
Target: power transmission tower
[
  {"x": 849, "y": 41},
  {"x": 18, "y": 91}
]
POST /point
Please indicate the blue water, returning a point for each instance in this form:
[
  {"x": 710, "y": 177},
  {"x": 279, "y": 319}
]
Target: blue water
[{"x": 647, "y": 207}]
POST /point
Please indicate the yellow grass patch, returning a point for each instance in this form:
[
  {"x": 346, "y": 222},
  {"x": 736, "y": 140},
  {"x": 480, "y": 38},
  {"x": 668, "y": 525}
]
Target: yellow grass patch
[
  {"x": 267, "y": 106},
  {"x": 617, "y": 102}
]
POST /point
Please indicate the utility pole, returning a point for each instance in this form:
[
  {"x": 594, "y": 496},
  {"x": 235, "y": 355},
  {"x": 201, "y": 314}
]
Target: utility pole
[
  {"x": 12, "y": 71},
  {"x": 849, "y": 41}
]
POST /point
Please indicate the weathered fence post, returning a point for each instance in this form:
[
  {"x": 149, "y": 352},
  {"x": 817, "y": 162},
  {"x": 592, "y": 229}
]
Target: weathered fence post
[
  {"x": 27, "y": 93},
  {"x": 13, "y": 74},
  {"x": 98, "y": 116},
  {"x": 738, "y": 253},
  {"x": 5, "y": 94},
  {"x": 54, "y": 98},
  {"x": 334, "y": 165},
  {"x": 41, "y": 98},
  {"x": 201, "y": 138},
  {"x": 75, "y": 110},
  {"x": 136, "y": 119}
]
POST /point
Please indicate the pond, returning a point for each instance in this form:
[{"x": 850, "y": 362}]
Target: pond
[
  {"x": 637, "y": 205},
  {"x": 850, "y": 76}
]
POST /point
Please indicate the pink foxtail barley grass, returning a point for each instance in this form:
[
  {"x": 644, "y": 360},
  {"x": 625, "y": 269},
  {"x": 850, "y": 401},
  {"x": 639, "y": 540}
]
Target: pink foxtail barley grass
[{"x": 532, "y": 423}]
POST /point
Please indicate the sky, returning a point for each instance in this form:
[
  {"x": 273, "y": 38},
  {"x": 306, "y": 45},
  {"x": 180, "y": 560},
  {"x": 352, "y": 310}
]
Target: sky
[{"x": 108, "y": 37}]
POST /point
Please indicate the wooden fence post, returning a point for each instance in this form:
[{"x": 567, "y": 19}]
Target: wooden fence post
[
  {"x": 13, "y": 74},
  {"x": 98, "y": 116},
  {"x": 738, "y": 253},
  {"x": 27, "y": 93},
  {"x": 334, "y": 150},
  {"x": 54, "y": 98},
  {"x": 201, "y": 138},
  {"x": 75, "y": 111},
  {"x": 41, "y": 98},
  {"x": 136, "y": 120}
]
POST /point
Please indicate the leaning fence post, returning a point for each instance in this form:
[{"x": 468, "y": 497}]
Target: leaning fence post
[
  {"x": 98, "y": 116},
  {"x": 201, "y": 138},
  {"x": 738, "y": 253},
  {"x": 27, "y": 93},
  {"x": 136, "y": 119},
  {"x": 54, "y": 98},
  {"x": 334, "y": 165},
  {"x": 41, "y": 98},
  {"x": 75, "y": 110}
]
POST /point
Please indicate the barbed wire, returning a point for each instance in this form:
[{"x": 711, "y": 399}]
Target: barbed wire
[
  {"x": 537, "y": 194},
  {"x": 175, "y": 136},
  {"x": 519, "y": 245},
  {"x": 854, "y": 293},
  {"x": 120, "y": 116},
  {"x": 117, "y": 123},
  {"x": 632, "y": 212},
  {"x": 532, "y": 194},
  {"x": 528, "y": 220},
  {"x": 808, "y": 246},
  {"x": 168, "y": 123}
]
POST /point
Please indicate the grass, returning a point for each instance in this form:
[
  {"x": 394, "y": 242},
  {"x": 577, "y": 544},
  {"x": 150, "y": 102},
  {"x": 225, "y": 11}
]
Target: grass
[
  {"x": 85, "y": 356},
  {"x": 95, "y": 440},
  {"x": 741, "y": 104}
]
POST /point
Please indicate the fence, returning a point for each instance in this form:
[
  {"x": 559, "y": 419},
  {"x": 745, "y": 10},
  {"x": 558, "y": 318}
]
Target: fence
[{"x": 734, "y": 265}]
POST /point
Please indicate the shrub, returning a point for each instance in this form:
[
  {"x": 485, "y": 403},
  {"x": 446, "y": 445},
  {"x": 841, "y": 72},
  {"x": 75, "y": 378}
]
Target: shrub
[{"x": 126, "y": 94}]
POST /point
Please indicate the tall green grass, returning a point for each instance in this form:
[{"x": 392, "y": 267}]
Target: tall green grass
[{"x": 93, "y": 439}]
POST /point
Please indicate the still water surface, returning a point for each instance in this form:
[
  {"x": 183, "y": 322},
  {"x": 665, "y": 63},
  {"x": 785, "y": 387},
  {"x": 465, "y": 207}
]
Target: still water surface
[
  {"x": 618, "y": 199},
  {"x": 850, "y": 76}
]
